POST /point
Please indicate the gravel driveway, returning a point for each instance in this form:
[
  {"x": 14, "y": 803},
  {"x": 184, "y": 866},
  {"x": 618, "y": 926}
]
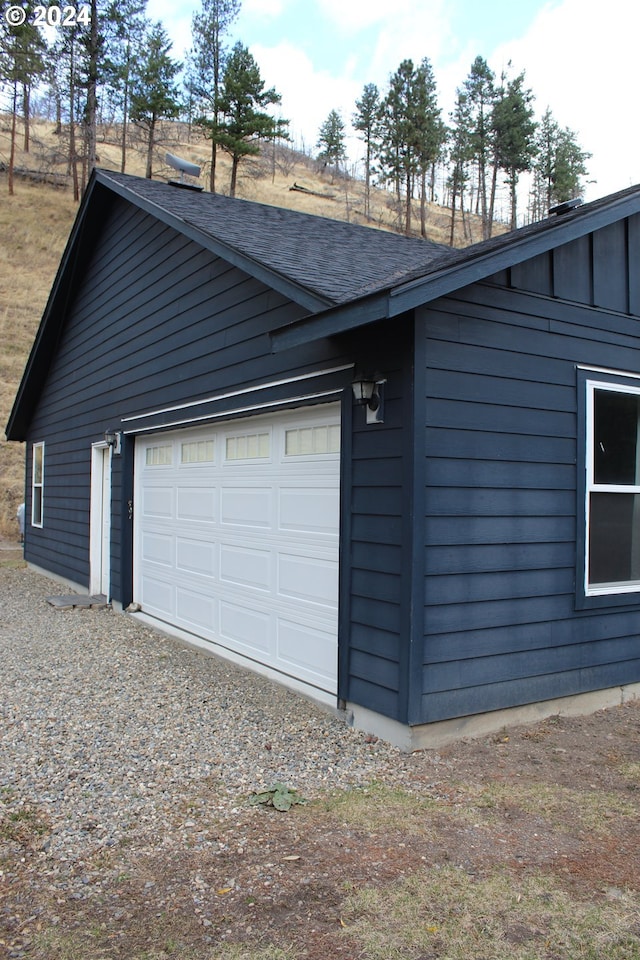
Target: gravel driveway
[{"x": 112, "y": 727}]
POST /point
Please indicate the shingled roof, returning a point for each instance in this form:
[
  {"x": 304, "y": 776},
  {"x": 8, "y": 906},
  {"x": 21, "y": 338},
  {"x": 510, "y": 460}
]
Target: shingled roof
[{"x": 337, "y": 261}]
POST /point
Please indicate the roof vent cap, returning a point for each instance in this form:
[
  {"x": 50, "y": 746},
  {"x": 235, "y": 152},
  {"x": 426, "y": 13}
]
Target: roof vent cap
[
  {"x": 565, "y": 207},
  {"x": 183, "y": 167}
]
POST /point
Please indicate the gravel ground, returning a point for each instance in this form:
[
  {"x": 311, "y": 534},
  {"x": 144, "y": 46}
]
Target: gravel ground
[{"x": 114, "y": 729}]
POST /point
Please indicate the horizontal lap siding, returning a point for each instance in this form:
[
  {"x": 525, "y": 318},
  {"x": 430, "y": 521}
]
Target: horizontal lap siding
[
  {"x": 379, "y": 541},
  {"x": 155, "y": 320},
  {"x": 500, "y": 505}
]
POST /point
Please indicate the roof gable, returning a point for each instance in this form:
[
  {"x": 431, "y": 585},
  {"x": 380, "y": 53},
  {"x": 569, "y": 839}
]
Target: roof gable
[{"x": 344, "y": 275}]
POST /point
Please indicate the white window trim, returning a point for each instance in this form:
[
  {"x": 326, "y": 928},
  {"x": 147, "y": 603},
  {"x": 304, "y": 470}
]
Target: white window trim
[
  {"x": 602, "y": 589},
  {"x": 37, "y": 486}
]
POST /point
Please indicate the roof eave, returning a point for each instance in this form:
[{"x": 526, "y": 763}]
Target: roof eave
[{"x": 422, "y": 290}]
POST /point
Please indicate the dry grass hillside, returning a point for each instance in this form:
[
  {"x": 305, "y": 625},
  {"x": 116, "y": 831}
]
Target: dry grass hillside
[{"x": 35, "y": 224}]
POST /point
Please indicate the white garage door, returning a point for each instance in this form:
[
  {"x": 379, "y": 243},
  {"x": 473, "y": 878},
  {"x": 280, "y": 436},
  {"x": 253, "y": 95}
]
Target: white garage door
[{"x": 236, "y": 537}]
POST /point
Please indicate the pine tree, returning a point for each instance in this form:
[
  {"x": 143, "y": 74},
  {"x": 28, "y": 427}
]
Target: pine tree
[
  {"x": 411, "y": 131},
  {"x": 126, "y": 26},
  {"x": 397, "y": 153},
  {"x": 480, "y": 92},
  {"x": 206, "y": 68},
  {"x": 559, "y": 166},
  {"x": 22, "y": 63},
  {"x": 514, "y": 131},
  {"x": 430, "y": 132},
  {"x": 366, "y": 120},
  {"x": 244, "y": 121},
  {"x": 154, "y": 94},
  {"x": 461, "y": 153},
  {"x": 331, "y": 141}
]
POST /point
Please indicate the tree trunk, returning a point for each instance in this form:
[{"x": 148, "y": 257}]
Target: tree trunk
[
  {"x": 214, "y": 154},
  {"x": 234, "y": 175},
  {"x": 12, "y": 151},
  {"x": 513, "y": 186},
  {"x": 152, "y": 131},
  {"x": 26, "y": 104},
  {"x": 92, "y": 100},
  {"x": 453, "y": 216},
  {"x": 73, "y": 158}
]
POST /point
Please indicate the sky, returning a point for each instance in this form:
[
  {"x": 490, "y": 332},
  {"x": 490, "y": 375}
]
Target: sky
[{"x": 580, "y": 58}]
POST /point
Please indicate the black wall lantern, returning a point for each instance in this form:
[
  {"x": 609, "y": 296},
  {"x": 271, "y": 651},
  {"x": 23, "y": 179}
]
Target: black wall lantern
[
  {"x": 369, "y": 392},
  {"x": 113, "y": 439}
]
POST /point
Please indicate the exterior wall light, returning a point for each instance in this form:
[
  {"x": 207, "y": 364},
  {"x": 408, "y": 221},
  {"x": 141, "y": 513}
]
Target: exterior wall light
[
  {"x": 369, "y": 393},
  {"x": 113, "y": 439}
]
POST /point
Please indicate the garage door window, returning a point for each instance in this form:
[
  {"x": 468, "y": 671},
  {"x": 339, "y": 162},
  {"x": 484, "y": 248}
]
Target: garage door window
[
  {"x": 250, "y": 446},
  {"x": 160, "y": 456},
  {"x": 197, "y": 451},
  {"x": 312, "y": 441}
]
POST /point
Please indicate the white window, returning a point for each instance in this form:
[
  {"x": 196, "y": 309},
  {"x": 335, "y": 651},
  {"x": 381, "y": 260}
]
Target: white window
[
  {"x": 37, "y": 485},
  {"x": 612, "y": 489}
]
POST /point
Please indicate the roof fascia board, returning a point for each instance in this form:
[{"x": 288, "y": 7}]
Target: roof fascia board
[
  {"x": 293, "y": 291},
  {"x": 423, "y": 290},
  {"x": 426, "y": 289},
  {"x": 330, "y": 322}
]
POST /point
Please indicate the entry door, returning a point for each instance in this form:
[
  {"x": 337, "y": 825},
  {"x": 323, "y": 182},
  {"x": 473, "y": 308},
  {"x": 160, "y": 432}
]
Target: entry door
[{"x": 100, "y": 540}]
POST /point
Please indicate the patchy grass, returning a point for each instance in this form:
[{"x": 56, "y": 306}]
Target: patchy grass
[
  {"x": 588, "y": 809},
  {"x": 448, "y": 913}
]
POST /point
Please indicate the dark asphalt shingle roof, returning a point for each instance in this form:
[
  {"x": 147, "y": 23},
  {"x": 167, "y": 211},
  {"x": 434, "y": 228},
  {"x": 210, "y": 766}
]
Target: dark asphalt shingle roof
[{"x": 339, "y": 261}]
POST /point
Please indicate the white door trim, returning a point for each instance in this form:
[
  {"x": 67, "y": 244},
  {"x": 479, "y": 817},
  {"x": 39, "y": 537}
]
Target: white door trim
[{"x": 100, "y": 520}]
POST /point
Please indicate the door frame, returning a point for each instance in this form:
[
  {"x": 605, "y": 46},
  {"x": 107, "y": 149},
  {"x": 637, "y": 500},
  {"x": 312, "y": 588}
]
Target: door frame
[{"x": 99, "y": 516}]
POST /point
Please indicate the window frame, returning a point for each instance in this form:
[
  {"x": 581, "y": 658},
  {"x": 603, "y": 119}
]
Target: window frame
[
  {"x": 37, "y": 485},
  {"x": 625, "y": 591}
]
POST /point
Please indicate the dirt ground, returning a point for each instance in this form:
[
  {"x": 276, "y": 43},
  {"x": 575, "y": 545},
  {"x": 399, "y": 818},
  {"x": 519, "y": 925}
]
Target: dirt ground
[{"x": 558, "y": 799}]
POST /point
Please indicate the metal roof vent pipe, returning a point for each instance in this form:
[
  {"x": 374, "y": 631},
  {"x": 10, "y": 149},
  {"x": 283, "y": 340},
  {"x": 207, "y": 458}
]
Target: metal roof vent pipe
[
  {"x": 565, "y": 207},
  {"x": 183, "y": 167}
]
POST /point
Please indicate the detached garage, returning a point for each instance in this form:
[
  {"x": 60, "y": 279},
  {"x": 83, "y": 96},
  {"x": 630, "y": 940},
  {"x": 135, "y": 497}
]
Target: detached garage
[{"x": 397, "y": 476}]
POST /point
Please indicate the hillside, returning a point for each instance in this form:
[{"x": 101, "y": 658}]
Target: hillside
[{"x": 35, "y": 223}]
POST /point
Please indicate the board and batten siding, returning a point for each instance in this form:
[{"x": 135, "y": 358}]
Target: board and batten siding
[
  {"x": 155, "y": 320},
  {"x": 501, "y": 516}
]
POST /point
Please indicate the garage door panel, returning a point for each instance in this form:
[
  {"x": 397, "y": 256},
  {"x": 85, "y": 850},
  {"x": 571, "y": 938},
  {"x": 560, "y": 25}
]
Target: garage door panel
[
  {"x": 246, "y": 507},
  {"x": 197, "y": 556},
  {"x": 307, "y": 651},
  {"x": 158, "y": 595},
  {"x": 312, "y": 510},
  {"x": 246, "y": 566},
  {"x": 245, "y": 627},
  {"x": 158, "y": 548},
  {"x": 196, "y": 503},
  {"x": 237, "y": 535},
  {"x": 158, "y": 502},
  {"x": 198, "y": 610},
  {"x": 308, "y": 579}
]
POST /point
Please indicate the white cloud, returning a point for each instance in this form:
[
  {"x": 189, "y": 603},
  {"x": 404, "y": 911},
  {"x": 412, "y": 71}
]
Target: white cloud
[
  {"x": 580, "y": 59},
  {"x": 307, "y": 94},
  {"x": 263, "y": 8}
]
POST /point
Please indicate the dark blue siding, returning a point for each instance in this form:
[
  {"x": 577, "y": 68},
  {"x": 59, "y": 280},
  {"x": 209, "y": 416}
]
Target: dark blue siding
[
  {"x": 155, "y": 320},
  {"x": 501, "y": 514},
  {"x": 380, "y": 531}
]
